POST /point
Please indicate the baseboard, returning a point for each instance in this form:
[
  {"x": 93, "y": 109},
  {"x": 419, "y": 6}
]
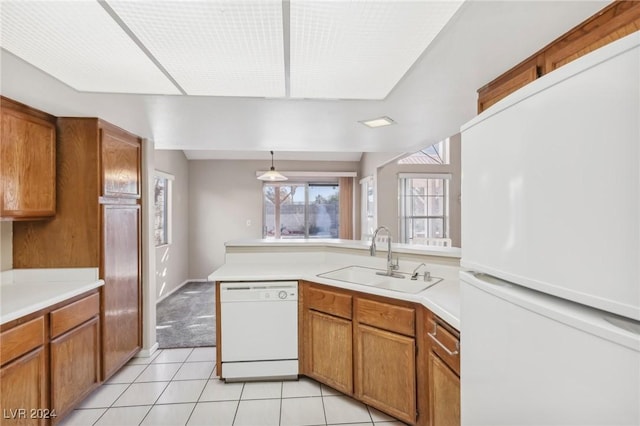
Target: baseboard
[
  {"x": 177, "y": 288},
  {"x": 146, "y": 353}
]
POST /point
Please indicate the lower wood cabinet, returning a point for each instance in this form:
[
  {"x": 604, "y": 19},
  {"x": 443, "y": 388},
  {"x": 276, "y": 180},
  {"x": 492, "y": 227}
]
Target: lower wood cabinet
[
  {"x": 386, "y": 371},
  {"x": 75, "y": 366},
  {"x": 329, "y": 352},
  {"x": 444, "y": 392},
  {"x": 361, "y": 345},
  {"x": 23, "y": 389},
  {"x": 50, "y": 362},
  {"x": 443, "y": 372}
]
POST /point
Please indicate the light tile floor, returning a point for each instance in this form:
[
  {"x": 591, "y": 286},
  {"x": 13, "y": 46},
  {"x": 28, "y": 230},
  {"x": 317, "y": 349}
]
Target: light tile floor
[{"x": 180, "y": 387}]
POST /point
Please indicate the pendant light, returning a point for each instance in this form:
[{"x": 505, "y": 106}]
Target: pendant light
[{"x": 272, "y": 175}]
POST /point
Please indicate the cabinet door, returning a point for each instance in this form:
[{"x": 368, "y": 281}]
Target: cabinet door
[
  {"x": 120, "y": 163},
  {"x": 23, "y": 387},
  {"x": 328, "y": 350},
  {"x": 27, "y": 166},
  {"x": 386, "y": 372},
  {"x": 75, "y": 366},
  {"x": 121, "y": 293},
  {"x": 444, "y": 393}
]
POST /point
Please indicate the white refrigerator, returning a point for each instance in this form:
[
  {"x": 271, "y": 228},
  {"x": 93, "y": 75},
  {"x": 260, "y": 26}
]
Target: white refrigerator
[{"x": 550, "y": 300}]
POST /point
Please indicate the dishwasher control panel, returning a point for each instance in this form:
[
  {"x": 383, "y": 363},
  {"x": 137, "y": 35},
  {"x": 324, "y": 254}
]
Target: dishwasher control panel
[{"x": 276, "y": 291}]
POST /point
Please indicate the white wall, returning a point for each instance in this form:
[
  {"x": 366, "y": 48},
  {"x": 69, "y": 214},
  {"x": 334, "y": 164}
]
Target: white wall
[
  {"x": 387, "y": 190},
  {"x": 223, "y": 196},
  {"x": 6, "y": 246},
  {"x": 172, "y": 260}
]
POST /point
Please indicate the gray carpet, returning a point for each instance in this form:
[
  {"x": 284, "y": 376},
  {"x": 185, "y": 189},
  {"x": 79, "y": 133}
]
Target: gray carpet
[{"x": 187, "y": 318}]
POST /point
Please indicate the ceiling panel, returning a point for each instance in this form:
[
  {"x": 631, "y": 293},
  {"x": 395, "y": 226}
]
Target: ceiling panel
[
  {"x": 359, "y": 49},
  {"x": 81, "y": 45},
  {"x": 218, "y": 48}
]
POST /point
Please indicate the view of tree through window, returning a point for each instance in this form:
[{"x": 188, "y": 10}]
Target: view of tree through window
[{"x": 301, "y": 210}]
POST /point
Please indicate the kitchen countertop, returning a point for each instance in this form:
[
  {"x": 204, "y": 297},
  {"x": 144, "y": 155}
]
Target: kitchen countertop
[
  {"x": 451, "y": 252},
  {"x": 443, "y": 298},
  {"x": 24, "y": 291}
]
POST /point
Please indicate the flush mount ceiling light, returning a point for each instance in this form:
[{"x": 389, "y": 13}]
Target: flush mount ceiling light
[
  {"x": 378, "y": 122},
  {"x": 272, "y": 174}
]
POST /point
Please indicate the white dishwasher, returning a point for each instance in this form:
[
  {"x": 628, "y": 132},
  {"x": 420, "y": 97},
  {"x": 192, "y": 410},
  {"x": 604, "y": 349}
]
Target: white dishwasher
[{"x": 259, "y": 330}]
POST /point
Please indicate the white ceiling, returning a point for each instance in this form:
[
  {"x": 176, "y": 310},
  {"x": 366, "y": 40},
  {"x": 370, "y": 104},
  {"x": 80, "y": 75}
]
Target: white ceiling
[{"x": 431, "y": 100}]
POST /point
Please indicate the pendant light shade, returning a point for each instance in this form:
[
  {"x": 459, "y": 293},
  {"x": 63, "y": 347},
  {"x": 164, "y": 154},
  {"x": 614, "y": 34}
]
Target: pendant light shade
[{"x": 272, "y": 174}]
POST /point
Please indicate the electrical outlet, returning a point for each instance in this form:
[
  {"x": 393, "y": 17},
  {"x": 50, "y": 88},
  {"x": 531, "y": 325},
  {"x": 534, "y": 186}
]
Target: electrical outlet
[{"x": 248, "y": 223}]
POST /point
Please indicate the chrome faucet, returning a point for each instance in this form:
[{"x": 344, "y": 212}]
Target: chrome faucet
[
  {"x": 427, "y": 274},
  {"x": 390, "y": 265}
]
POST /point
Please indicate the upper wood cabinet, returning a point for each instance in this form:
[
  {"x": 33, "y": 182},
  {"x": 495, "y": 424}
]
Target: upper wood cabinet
[
  {"x": 27, "y": 162},
  {"x": 618, "y": 19},
  {"x": 120, "y": 163}
]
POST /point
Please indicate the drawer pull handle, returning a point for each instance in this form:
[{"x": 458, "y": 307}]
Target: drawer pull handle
[{"x": 447, "y": 350}]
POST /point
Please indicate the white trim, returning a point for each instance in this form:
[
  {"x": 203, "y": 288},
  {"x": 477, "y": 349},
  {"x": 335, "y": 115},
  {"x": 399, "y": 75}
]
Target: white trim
[
  {"x": 447, "y": 176},
  {"x": 146, "y": 353},
  {"x": 312, "y": 174},
  {"x": 366, "y": 178},
  {"x": 164, "y": 175},
  {"x": 174, "y": 290}
]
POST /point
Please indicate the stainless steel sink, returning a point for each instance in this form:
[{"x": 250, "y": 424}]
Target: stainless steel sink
[{"x": 369, "y": 277}]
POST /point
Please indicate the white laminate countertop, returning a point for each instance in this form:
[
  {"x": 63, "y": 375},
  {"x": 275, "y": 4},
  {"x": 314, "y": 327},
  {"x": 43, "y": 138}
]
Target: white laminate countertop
[
  {"x": 443, "y": 298},
  {"x": 24, "y": 291}
]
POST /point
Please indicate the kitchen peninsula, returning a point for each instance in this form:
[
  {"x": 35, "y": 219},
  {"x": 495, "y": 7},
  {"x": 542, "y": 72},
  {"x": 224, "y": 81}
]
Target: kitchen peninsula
[{"x": 393, "y": 349}]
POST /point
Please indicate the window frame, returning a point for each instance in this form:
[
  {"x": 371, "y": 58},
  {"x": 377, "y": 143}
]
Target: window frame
[
  {"x": 403, "y": 217},
  {"x": 168, "y": 210},
  {"x": 306, "y": 184}
]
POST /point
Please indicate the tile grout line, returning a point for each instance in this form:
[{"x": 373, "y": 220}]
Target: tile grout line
[
  {"x": 235, "y": 415},
  {"x": 324, "y": 410},
  {"x": 122, "y": 393},
  {"x": 165, "y": 388}
]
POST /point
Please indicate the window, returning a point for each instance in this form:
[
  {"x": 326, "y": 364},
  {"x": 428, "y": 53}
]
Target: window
[
  {"x": 301, "y": 210},
  {"x": 424, "y": 216},
  {"x": 162, "y": 206},
  {"x": 367, "y": 207},
  {"x": 437, "y": 153}
]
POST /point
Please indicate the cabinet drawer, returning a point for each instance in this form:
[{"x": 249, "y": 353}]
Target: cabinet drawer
[
  {"x": 444, "y": 342},
  {"x": 329, "y": 302},
  {"x": 21, "y": 339},
  {"x": 74, "y": 314},
  {"x": 386, "y": 316}
]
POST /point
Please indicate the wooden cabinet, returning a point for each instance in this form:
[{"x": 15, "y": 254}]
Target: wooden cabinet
[
  {"x": 386, "y": 371},
  {"x": 385, "y": 357},
  {"x": 27, "y": 162},
  {"x": 97, "y": 225},
  {"x": 121, "y": 335},
  {"x": 443, "y": 372},
  {"x": 23, "y": 374},
  {"x": 361, "y": 345},
  {"x": 329, "y": 353},
  {"x": 120, "y": 164},
  {"x": 616, "y": 20},
  {"x": 75, "y": 330},
  {"x": 50, "y": 361},
  {"x": 327, "y": 337}
]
